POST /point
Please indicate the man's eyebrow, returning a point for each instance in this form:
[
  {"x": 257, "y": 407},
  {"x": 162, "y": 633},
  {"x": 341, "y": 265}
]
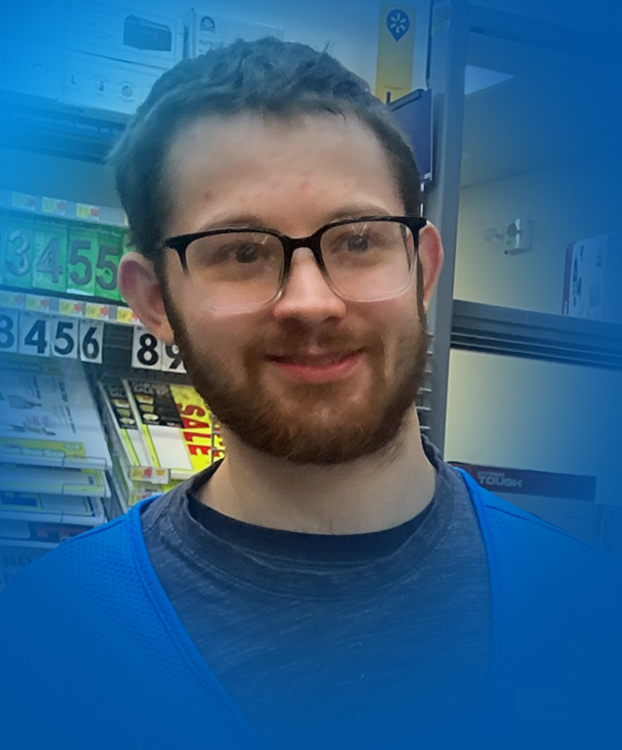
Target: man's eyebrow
[
  {"x": 356, "y": 211},
  {"x": 236, "y": 220},
  {"x": 353, "y": 211}
]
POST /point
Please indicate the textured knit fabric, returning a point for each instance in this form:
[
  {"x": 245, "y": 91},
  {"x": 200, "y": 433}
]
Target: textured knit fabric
[
  {"x": 324, "y": 640},
  {"x": 94, "y": 656}
]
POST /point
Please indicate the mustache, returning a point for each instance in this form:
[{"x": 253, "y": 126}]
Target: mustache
[{"x": 296, "y": 343}]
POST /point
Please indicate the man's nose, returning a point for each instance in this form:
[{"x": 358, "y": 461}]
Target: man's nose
[{"x": 307, "y": 296}]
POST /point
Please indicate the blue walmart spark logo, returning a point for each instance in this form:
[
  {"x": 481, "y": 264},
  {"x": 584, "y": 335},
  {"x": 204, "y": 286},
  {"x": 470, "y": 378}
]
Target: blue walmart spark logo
[{"x": 398, "y": 24}]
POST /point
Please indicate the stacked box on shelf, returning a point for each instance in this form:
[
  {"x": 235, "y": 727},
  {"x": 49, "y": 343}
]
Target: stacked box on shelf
[
  {"x": 53, "y": 452},
  {"x": 181, "y": 433},
  {"x": 160, "y": 434},
  {"x": 133, "y": 476}
]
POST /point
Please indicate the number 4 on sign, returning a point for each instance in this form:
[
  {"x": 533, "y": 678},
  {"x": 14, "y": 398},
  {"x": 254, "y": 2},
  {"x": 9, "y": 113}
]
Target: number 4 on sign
[{"x": 34, "y": 335}]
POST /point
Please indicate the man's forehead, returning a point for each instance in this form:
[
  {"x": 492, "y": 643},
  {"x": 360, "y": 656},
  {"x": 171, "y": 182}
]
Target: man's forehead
[
  {"x": 220, "y": 167},
  {"x": 240, "y": 132}
]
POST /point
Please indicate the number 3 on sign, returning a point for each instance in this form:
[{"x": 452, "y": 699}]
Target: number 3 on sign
[
  {"x": 8, "y": 330},
  {"x": 91, "y": 341}
]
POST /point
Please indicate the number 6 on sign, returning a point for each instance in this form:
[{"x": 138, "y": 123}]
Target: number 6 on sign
[{"x": 91, "y": 341}]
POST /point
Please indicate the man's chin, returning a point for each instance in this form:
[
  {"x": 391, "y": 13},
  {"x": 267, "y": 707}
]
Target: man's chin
[{"x": 327, "y": 432}]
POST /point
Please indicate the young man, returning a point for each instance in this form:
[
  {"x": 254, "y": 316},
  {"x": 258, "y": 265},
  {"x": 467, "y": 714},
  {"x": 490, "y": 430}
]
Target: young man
[{"x": 332, "y": 583}]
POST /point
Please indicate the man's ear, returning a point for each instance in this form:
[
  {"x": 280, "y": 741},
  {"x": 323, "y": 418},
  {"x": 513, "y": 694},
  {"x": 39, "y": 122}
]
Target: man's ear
[
  {"x": 431, "y": 260},
  {"x": 142, "y": 291}
]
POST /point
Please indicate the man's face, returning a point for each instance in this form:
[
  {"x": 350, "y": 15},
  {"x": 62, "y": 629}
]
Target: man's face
[{"x": 310, "y": 377}]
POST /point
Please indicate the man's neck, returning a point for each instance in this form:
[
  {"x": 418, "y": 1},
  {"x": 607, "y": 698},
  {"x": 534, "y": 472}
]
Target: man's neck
[{"x": 370, "y": 494}]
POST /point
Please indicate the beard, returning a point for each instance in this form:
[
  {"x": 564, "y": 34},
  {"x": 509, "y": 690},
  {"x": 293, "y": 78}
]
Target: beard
[{"x": 324, "y": 423}]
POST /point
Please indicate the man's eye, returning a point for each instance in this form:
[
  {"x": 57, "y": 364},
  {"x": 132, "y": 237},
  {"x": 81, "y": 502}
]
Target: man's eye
[
  {"x": 358, "y": 243},
  {"x": 237, "y": 253},
  {"x": 246, "y": 253}
]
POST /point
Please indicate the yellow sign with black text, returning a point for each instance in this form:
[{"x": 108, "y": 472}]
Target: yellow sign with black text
[{"x": 396, "y": 51}]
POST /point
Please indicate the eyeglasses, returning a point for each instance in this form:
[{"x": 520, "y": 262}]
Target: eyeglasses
[{"x": 238, "y": 269}]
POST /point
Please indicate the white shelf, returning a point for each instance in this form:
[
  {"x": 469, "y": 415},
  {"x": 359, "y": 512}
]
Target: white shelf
[
  {"x": 59, "y": 208},
  {"x": 535, "y": 335}
]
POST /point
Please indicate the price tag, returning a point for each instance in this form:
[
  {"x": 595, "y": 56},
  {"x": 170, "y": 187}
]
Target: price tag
[
  {"x": 96, "y": 311},
  {"x": 34, "y": 334},
  {"x": 171, "y": 359},
  {"x": 53, "y": 206},
  {"x": 50, "y": 256},
  {"x": 81, "y": 260},
  {"x": 70, "y": 308},
  {"x": 34, "y": 303},
  {"x": 65, "y": 338},
  {"x": 9, "y": 330},
  {"x": 91, "y": 337},
  {"x": 12, "y": 300},
  {"x": 22, "y": 200},
  {"x": 18, "y": 253},
  {"x": 146, "y": 350},
  {"x": 127, "y": 316},
  {"x": 87, "y": 213}
]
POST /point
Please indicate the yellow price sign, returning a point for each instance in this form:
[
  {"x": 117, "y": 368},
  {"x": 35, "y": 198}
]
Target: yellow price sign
[
  {"x": 86, "y": 212},
  {"x": 125, "y": 315},
  {"x": 396, "y": 51},
  {"x": 53, "y": 206},
  {"x": 37, "y": 304},
  {"x": 11, "y": 300},
  {"x": 70, "y": 308},
  {"x": 22, "y": 200}
]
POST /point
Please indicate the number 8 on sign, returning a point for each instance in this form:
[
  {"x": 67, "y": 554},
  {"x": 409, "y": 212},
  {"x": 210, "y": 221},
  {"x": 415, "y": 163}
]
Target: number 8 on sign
[{"x": 146, "y": 350}]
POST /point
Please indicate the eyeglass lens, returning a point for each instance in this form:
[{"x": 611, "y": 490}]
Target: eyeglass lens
[{"x": 364, "y": 261}]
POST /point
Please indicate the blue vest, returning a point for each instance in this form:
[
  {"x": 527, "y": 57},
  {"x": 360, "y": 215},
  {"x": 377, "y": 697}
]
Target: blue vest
[{"x": 93, "y": 655}]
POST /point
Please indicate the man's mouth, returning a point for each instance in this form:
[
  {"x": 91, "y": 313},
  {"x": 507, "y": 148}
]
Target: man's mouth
[
  {"x": 313, "y": 360},
  {"x": 318, "y": 367}
]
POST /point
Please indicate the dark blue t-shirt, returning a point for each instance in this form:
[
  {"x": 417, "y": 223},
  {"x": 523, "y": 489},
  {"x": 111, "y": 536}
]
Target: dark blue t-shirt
[{"x": 366, "y": 640}]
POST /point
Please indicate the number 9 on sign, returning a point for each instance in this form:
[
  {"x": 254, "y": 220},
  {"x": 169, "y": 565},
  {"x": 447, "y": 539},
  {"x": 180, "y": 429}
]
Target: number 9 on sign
[{"x": 171, "y": 359}]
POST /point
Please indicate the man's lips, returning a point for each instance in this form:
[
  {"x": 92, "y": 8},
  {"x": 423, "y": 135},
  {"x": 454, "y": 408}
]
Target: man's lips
[{"x": 321, "y": 367}]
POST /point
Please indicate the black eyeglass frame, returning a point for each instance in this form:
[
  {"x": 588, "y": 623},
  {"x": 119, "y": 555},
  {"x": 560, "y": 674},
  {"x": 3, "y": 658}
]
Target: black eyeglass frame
[{"x": 181, "y": 242}]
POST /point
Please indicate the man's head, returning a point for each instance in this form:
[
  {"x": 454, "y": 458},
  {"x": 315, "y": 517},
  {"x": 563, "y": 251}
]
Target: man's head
[{"x": 274, "y": 136}]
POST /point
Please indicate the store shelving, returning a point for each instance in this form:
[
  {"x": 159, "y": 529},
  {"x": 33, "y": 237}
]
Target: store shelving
[{"x": 534, "y": 335}]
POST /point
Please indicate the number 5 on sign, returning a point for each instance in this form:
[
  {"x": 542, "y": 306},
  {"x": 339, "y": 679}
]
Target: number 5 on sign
[
  {"x": 65, "y": 338},
  {"x": 91, "y": 336}
]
